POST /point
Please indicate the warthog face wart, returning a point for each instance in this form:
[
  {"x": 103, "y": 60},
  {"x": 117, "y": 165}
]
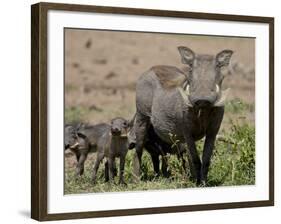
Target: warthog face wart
[{"x": 204, "y": 78}]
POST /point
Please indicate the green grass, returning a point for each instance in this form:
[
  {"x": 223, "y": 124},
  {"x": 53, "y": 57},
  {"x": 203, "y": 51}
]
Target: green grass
[
  {"x": 238, "y": 106},
  {"x": 233, "y": 163},
  {"x": 75, "y": 114}
]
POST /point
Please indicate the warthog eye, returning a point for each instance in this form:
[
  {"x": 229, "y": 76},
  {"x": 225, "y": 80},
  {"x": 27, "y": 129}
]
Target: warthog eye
[{"x": 74, "y": 136}]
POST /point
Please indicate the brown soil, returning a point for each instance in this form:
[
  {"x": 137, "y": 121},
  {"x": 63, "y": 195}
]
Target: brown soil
[{"x": 102, "y": 67}]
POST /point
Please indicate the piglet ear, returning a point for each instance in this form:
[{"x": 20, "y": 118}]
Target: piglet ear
[
  {"x": 223, "y": 58},
  {"x": 131, "y": 122},
  {"x": 187, "y": 55},
  {"x": 127, "y": 123}
]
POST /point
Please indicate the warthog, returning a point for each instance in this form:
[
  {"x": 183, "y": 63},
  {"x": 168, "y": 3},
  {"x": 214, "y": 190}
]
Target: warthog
[
  {"x": 156, "y": 147},
  {"x": 82, "y": 139},
  {"x": 114, "y": 143},
  {"x": 187, "y": 105}
]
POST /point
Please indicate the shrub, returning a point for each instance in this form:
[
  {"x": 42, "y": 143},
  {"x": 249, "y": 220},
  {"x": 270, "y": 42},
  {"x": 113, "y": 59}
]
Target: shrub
[{"x": 233, "y": 161}]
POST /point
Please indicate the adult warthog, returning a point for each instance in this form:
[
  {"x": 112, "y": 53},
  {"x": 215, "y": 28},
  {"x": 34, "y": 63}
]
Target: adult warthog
[
  {"x": 188, "y": 105},
  {"x": 156, "y": 148}
]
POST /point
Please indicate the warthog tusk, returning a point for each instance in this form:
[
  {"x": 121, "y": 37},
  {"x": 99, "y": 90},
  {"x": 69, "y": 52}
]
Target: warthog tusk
[
  {"x": 221, "y": 101},
  {"x": 217, "y": 88},
  {"x": 185, "y": 96},
  {"x": 199, "y": 113},
  {"x": 187, "y": 90},
  {"x": 74, "y": 145}
]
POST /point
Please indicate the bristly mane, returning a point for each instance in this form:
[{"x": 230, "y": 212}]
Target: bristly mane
[{"x": 169, "y": 76}]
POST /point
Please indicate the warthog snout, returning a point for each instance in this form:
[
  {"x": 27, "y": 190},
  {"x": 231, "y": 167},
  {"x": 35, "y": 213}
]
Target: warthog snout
[
  {"x": 202, "y": 101},
  {"x": 115, "y": 131},
  {"x": 203, "y": 97}
]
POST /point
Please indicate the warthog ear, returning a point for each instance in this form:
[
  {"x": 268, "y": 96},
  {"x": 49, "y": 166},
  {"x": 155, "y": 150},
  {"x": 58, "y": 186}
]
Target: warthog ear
[
  {"x": 187, "y": 55},
  {"x": 223, "y": 58},
  {"x": 131, "y": 122},
  {"x": 126, "y": 123}
]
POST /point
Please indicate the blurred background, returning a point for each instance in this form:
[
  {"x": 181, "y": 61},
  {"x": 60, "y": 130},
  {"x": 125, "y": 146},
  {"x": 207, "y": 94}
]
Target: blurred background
[{"x": 102, "y": 67}]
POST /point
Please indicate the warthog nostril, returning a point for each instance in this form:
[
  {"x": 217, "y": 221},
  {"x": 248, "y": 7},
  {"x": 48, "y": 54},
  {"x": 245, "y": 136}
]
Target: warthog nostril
[
  {"x": 202, "y": 103},
  {"x": 115, "y": 131}
]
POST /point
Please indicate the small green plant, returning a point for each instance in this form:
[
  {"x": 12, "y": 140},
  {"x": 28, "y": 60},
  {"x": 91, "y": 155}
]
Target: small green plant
[{"x": 233, "y": 161}]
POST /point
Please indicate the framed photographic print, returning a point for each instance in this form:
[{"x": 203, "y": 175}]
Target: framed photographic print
[{"x": 138, "y": 111}]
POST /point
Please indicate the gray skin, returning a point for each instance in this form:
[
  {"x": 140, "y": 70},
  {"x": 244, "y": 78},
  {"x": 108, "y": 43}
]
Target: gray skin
[
  {"x": 82, "y": 139},
  {"x": 188, "y": 105},
  {"x": 114, "y": 143},
  {"x": 156, "y": 147},
  {"x": 69, "y": 135}
]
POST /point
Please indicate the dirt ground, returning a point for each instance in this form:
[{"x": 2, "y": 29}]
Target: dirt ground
[{"x": 102, "y": 67}]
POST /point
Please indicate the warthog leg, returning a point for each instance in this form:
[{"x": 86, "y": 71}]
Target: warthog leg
[
  {"x": 155, "y": 161},
  {"x": 196, "y": 162},
  {"x": 191, "y": 165},
  {"x": 164, "y": 167},
  {"x": 211, "y": 134},
  {"x": 80, "y": 165},
  {"x": 141, "y": 127},
  {"x": 111, "y": 169},
  {"x": 207, "y": 153},
  {"x": 122, "y": 165},
  {"x": 106, "y": 174},
  {"x": 99, "y": 158}
]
